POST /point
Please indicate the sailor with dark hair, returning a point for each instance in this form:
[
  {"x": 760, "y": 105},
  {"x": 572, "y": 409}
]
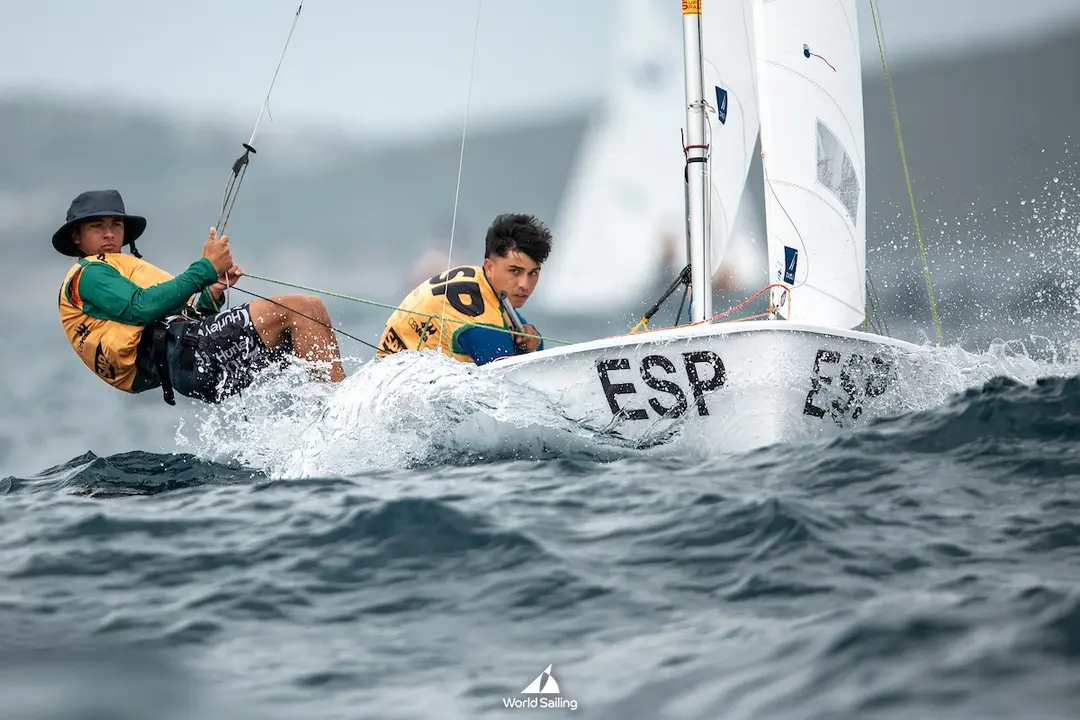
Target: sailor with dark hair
[
  {"x": 470, "y": 312},
  {"x": 137, "y": 327}
]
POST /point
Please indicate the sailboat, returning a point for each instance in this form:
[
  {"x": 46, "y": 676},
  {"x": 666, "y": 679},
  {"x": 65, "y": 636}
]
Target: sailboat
[{"x": 805, "y": 369}]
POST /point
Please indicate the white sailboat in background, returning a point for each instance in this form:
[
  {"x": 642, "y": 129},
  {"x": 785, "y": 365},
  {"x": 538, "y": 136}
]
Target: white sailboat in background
[
  {"x": 804, "y": 371},
  {"x": 624, "y": 208}
]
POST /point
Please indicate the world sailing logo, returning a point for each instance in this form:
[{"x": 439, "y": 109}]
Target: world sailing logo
[{"x": 542, "y": 693}]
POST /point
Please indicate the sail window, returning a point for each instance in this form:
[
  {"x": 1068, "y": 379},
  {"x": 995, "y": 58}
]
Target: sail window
[{"x": 836, "y": 171}]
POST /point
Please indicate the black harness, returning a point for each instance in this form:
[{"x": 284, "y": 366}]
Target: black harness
[
  {"x": 189, "y": 343},
  {"x": 161, "y": 335}
]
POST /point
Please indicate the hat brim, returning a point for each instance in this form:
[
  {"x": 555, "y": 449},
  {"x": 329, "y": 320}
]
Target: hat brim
[{"x": 134, "y": 227}]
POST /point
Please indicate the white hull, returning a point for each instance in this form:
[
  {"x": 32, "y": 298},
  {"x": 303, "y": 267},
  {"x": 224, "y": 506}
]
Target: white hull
[{"x": 728, "y": 387}]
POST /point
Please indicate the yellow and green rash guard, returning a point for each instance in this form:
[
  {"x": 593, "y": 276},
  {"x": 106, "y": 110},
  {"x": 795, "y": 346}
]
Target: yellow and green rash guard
[{"x": 107, "y": 300}]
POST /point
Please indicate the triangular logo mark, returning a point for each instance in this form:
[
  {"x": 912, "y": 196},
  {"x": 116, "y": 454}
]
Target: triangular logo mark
[
  {"x": 791, "y": 260},
  {"x": 544, "y": 684},
  {"x": 721, "y": 104}
]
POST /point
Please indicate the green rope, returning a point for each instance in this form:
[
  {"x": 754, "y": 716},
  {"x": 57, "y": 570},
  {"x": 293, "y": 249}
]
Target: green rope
[
  {"x": 374, "y": 303},
  {"x": 907, "y": 177}
]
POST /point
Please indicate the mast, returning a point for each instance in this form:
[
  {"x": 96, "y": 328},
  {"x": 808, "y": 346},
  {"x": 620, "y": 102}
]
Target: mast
[{"x": 696, "y": 165}]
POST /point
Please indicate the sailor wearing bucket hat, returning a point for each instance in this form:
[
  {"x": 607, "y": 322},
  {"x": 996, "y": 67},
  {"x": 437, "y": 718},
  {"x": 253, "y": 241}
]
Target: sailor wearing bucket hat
[{"x": 137, "y": 327}]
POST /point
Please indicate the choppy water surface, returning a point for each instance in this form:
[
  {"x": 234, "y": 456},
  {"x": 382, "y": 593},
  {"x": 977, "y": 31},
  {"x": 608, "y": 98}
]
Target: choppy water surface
[{"x": 926, "y": 566}]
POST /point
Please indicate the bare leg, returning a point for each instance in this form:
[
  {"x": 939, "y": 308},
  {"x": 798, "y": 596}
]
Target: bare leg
[{"x": 312, "y": 338}]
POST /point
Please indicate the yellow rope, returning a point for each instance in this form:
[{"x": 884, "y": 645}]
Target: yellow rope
[{"x": 907, "y": 177}]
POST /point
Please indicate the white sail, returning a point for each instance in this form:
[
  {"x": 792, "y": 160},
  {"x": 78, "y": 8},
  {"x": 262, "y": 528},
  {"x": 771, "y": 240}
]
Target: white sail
[
  {"x": 625, "y": 199},
  {"x": 809, "y": 77}
]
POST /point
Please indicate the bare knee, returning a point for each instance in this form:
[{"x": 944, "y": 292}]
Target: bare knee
[
  {"x": 310, "y": 307},
  {"x": 296, "y": 309}
]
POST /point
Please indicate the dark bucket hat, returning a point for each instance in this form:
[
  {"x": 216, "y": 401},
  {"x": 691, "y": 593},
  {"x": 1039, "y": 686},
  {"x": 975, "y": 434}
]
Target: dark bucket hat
[{"x": 97, "y": 203}]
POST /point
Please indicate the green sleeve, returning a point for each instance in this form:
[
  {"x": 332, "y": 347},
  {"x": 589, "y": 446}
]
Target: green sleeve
[
  {"x": 108, "y": 295},
  {"x": 207, "y": 303}
]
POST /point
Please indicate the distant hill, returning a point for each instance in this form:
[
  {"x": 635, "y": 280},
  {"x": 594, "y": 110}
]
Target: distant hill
[
  {"x": 357, "y": 213},
  {"x": 351, "y": 215}
]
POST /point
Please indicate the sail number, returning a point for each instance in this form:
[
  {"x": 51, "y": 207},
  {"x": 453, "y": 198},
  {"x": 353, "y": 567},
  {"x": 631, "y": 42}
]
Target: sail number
[
  {"x": 463, "y": 295},
  {"x": 838, "y": 389},
  {"x": 703, "y": 370}
]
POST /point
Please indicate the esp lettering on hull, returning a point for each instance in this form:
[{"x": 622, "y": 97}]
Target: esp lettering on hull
[
  {"x": 702, "y": 371},
  {"x": 838, "y": 387}
]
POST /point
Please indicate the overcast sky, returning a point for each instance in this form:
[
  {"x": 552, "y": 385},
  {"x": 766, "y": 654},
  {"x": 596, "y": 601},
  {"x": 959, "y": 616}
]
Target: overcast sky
[{"x": 394, "y": 64}]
